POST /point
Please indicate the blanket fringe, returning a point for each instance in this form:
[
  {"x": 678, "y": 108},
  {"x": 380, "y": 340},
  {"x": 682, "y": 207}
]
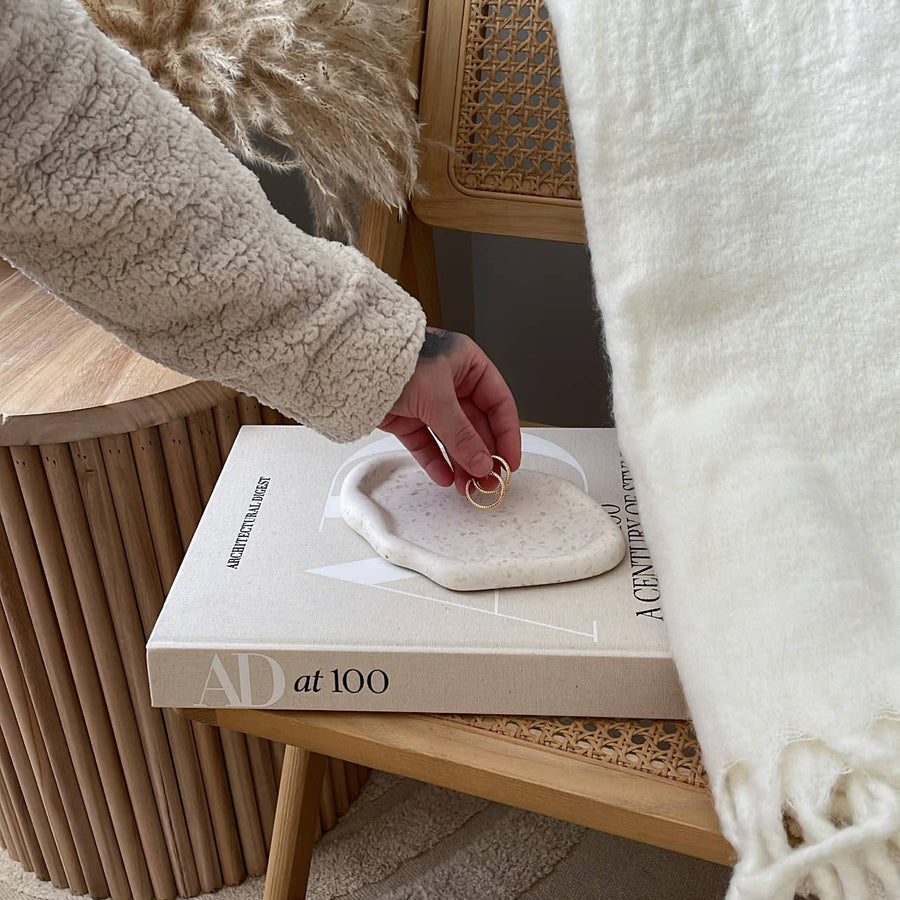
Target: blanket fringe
[{"x": 823, "y": 821}]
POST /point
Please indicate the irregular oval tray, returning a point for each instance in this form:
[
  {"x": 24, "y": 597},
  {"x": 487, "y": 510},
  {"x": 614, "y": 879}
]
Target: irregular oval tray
[{"x": 546, "y": 530}]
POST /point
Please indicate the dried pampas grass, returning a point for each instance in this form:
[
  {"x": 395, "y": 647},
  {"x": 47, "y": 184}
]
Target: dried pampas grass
[{"x": 315, "y": 85}]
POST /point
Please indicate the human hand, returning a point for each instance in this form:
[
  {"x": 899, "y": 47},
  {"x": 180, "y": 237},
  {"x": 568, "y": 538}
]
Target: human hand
[{"x": 457, "y": 392}]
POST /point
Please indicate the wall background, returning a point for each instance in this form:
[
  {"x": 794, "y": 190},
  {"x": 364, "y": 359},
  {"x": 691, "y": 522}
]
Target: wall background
[{"x": 528, "y": 303}]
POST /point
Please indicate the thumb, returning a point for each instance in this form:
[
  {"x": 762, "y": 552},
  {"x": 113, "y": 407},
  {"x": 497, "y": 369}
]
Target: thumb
[{"x": 463, "y": 443}]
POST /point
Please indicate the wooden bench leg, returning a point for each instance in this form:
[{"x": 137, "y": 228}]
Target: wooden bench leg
[
  {"x": 296, "y": 816},
  {"x": 418, "y": 267}
]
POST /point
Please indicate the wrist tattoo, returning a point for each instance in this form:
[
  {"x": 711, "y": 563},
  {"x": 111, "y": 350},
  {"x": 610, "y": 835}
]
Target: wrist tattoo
[{"x": 437, "y": 343}]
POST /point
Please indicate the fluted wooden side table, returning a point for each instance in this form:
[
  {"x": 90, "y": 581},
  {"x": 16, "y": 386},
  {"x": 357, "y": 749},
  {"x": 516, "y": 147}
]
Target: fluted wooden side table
[{"x": 106, "y": 462}]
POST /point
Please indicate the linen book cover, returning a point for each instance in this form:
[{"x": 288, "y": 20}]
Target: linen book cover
[{"x": 279, "y": 604}]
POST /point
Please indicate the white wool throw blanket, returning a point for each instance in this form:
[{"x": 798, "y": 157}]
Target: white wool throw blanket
[{"x": 739, "y": 171}]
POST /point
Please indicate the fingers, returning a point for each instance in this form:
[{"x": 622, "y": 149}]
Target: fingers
[
  {"x": 460, "y": 437},
  {"x": 492, "y": 395},
  {"x": 427, "y": 452},
  {"x": 480, "y": 421},
  {"x": 459, "y": 395},
  {"x": 441, "y": 411},
  {"x": 420, "y": 442}
]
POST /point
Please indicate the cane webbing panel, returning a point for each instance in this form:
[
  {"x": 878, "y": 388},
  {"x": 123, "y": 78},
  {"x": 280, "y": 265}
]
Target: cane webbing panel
[
  {"x": 512, "y": 132},
  {"x": 660, "y": 747}
]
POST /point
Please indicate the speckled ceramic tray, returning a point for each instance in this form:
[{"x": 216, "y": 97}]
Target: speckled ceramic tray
[{"x": 546, "y": 530}]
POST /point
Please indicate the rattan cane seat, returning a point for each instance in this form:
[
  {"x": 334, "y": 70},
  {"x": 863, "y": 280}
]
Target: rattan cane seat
[
  {"x": 497, "y": 151},
  {"x": 512, "y": 133},
  {"x": 661, "y": 747}
]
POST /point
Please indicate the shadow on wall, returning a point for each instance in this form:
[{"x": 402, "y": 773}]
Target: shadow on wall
[
  {"x": 528, "y": 303},
  {"x": 530, "y": 306}
]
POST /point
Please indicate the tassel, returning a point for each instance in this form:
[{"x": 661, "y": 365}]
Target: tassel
[{"x": 824, "y": 820}]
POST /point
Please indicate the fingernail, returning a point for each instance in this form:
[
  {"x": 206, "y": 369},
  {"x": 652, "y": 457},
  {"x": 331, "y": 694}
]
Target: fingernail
[{"x": 482, "y": 464}]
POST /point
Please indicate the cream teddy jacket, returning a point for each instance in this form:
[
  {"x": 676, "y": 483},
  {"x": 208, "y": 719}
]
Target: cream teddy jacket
[{"x": 118, "y": 200}]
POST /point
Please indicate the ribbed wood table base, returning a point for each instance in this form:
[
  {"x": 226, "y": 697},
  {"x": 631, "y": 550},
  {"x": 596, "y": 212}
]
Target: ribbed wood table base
[{"x": 100, "y": 792}]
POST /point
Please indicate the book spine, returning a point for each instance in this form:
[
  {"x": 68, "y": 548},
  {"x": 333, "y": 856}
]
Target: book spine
[{"x": 438, "y": 682}]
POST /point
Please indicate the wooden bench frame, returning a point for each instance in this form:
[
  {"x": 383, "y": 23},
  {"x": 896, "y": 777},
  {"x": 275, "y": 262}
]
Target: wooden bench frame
[{"x": 429, "y": 748}]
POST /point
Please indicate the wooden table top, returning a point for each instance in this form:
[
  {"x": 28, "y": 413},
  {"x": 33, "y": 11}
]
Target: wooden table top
[{"x": 62, "y": 377}]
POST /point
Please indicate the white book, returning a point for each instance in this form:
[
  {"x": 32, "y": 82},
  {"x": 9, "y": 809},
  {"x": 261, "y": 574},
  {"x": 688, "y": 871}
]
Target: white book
[{"x": 279, "y": 604}]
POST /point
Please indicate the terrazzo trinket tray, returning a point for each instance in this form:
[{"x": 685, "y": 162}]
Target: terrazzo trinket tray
[{"x": 546, "y": 531}]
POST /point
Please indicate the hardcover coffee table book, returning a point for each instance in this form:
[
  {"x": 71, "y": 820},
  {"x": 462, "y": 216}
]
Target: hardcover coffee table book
[{"x": 280, "y": 604}]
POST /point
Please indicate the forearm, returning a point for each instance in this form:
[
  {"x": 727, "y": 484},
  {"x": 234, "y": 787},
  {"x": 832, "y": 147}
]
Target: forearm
[{"x": 117, "y": 199}]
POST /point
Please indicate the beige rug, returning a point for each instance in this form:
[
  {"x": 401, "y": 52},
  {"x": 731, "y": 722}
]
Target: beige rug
[{"x": 405, "y": 840}]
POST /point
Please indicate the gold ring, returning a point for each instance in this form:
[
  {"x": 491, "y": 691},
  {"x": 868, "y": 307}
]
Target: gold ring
[
  {"x": 505, "y": 465},
  {"x": 494, "y": 505},
  {"x": 501, "y": 482},
  {"x": 502, "y": 485}
]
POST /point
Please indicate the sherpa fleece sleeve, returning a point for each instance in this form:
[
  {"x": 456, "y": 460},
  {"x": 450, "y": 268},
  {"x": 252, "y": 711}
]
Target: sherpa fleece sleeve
[{"x": 117, "y": 199}]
